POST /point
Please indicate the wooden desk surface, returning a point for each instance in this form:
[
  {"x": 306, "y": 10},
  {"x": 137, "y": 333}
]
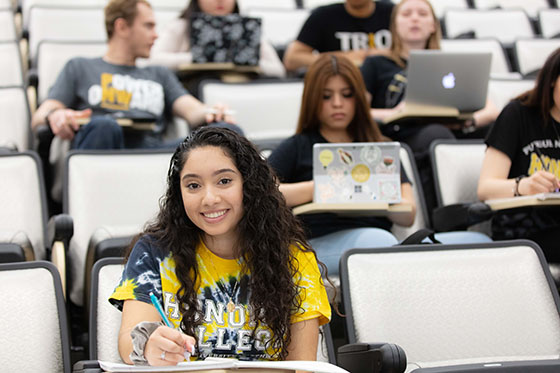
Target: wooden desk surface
[
  {"x": 353, "y": 209},
  {"x": 125, "y": 122},
  {"x": 214, "y": 66},
  {"x": 542, "y": 199},
  {"x": 441, "y": 113}
]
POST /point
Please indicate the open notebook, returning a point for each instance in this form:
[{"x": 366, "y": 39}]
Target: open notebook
[{"x": 227, "y": 364}]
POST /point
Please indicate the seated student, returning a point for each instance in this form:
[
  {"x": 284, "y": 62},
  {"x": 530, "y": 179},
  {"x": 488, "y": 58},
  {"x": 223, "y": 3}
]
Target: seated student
[
  {"x": 334, "y": 109},
  {"x": 356, "y": 28},
  {"x": 523, "y": 158},
  {"x": 172, "y": 49},
  {"x": 228, "y": 261},
  {"x": 414, "y": 26},
  {"x": 101, "y": 89}
]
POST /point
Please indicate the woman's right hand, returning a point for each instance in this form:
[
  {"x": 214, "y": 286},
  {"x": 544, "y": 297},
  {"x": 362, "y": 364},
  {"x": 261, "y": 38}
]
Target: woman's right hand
[
  {"x": 167, "y": 346},
  {"x": 539, "y": 182}
]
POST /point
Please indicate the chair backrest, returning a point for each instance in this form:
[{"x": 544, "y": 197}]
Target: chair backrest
[
  {"x": 280, "y": 26},
  {"x": 7, "y": 25},
  {"x": 53, "y": 55},
  {"x": 421, "y": 220},
  {"x": 264, "y": 109},
  {"x": 104, "y": 318},
  {"x": 245, "y": 5},
  {"x": 165, "y": 13},
  {"x": 111, "y": 189},
  {"x": 15, "y": 131},
  {"x": 312, "y": 4},
  {"x": 22, "y": 196},
  {"x": 35, "y": 336},
  {"x": 531, "y": 7},
  {"x": 504, "y": 24},
  {"x": 456, "y": 166},
  {"x": 26, "y": 6},
  {"x": 64, "y": 23},
  {"x": 6, "y": 4},
  {"x": 549, "y": 22},
  {"x": 502, "y": 91},
  {"x": 532, "y": 53},
  {"x": 441, "y": 6},
  {"x": 453, "y": 304},
  {"x": 11, "y": 71},
  {"x": 500, "y": 64}
]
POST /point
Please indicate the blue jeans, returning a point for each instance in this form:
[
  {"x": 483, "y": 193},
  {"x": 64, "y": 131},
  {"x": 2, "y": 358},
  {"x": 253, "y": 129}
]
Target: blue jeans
[
  {"x": 330, "y": 247},
  {"x": 99, "y": 133}
]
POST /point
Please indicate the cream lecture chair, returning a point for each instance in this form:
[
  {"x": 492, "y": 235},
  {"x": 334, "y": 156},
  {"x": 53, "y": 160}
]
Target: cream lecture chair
[
  {"x": 34, "y": 328},
  {"x": 475, "y": 306}
]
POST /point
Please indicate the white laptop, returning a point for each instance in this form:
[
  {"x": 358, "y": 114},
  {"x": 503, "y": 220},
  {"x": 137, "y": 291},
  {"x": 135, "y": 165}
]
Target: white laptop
[{"x": 357, "y": 172}]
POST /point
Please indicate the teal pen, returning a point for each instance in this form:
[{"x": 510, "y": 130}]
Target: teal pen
[
  {"x": 156, "y": 304},
  {"x": 158, "y": 307}
]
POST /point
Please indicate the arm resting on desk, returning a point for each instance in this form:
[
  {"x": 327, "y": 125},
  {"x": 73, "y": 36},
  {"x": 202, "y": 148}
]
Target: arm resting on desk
[
  {"x": 494, "y": 182},
  {"x": 297, "y": 193}
]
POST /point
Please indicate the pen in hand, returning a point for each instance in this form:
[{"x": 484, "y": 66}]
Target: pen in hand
[
  {"x": 158, "y": 307},
  {"x": 545, "y": 166}
]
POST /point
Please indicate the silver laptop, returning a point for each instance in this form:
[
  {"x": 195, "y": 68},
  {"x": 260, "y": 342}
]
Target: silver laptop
[
  {"x": 357, "y": 172},
  {"x": 450, "y": 79}
]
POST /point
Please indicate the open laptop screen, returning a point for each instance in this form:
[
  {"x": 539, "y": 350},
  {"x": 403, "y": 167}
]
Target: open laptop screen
[{"x": 232, "y": 38}]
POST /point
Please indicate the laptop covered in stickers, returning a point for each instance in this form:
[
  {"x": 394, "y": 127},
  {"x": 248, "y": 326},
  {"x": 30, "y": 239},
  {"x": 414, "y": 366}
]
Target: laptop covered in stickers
[
  {"x": 357, "y": 172},
  {"x": 232, "y": 38}
]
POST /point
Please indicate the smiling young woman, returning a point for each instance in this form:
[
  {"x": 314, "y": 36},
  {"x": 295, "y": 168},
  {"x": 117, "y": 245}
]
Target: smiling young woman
[{"x": 228, "y": 261}]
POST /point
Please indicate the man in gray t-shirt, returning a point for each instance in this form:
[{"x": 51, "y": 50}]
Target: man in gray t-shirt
[{"x": 103, "y": 89}]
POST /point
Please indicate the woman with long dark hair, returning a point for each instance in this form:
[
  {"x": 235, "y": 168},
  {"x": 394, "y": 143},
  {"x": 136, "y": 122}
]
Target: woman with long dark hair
[
  {"x": 334, "y": 109},
  {"x": 228, "y": 261},
  {"x": 523, "y": 158}
]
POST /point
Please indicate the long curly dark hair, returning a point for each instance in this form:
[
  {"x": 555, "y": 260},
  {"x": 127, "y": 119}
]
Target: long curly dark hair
[{"x": 268, "y": 229}]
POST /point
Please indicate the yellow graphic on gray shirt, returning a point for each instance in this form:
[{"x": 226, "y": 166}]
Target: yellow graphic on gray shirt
[{"x": 124, "y": 93}]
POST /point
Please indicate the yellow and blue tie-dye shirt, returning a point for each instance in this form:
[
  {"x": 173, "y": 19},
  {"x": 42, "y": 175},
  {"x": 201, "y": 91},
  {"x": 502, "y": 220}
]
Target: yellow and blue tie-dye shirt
[{"x": 223, "y": 296}]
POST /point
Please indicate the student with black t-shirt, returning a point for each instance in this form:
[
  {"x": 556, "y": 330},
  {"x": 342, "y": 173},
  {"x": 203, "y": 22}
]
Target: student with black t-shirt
[
  {"x": 334, "y": 109},
  {"x": 357, "y": 28},
  {"x": 523, "y": 158},
  {"x": 414, "y": 26}
]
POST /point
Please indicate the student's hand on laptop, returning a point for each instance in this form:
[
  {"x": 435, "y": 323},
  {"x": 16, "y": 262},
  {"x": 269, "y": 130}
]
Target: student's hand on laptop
[
  {"x": 219, "y": 113},
  {"x": 64, "y": 122}
]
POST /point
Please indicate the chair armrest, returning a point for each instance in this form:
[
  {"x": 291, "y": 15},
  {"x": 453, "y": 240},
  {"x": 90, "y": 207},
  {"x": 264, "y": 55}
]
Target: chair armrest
[
  {"x": 11, "y": 252},
  {"x": 33, "y": 77},
  {"x": 60, "y": 230},
  {"x": 372, "y": 358},
  {"x": 87, "y": 366},
  {"x": 460, "y": 216}
]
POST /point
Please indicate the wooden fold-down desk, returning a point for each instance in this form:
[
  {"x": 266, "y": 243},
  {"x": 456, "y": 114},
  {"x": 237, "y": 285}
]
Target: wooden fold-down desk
[
  {"x": 126, "y": 123},
  {"x": 413, "y": 113},
  {"x": 537, "y": 200},
  {"x": 227, "y": 71},
  {"x": 353, "y": 209}
]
